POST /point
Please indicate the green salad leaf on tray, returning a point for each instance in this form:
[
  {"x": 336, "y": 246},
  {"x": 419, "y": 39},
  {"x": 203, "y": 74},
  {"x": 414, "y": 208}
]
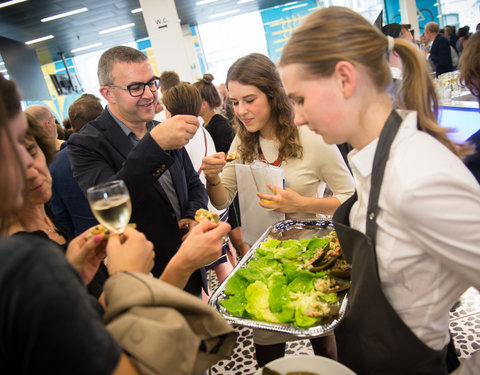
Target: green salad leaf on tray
[{"x": 291, "y": 281}]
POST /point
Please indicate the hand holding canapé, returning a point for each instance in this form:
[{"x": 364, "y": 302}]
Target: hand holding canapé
[
  {"x": 212, "y": 165},
  {"x": 175, "y": 132},
  {"x": 203, "y": 245},
  {"x": 85, "y": 252}
]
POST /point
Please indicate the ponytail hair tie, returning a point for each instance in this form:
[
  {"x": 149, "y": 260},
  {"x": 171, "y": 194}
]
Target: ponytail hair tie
[{"x": 391, "y": 43}]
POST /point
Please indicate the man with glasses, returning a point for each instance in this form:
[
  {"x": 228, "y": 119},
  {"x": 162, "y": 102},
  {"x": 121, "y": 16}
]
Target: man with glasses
[{"x": 124, "y": 143}]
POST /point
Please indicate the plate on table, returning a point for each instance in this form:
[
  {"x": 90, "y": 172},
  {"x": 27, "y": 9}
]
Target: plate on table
[{"x": 314, "y": 364}]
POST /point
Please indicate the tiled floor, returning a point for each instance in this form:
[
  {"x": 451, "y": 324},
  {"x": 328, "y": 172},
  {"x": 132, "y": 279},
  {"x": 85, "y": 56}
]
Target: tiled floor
[{"x": 464, "y": 325}]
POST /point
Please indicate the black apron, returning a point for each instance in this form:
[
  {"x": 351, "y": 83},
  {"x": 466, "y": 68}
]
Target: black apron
[{"x": 373, "y": 339}]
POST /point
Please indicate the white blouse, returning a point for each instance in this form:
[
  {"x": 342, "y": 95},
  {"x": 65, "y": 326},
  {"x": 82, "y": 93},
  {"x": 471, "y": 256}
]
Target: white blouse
[
  {"x": 321, "y": 164},
  {"x": 428, "y": 239}
]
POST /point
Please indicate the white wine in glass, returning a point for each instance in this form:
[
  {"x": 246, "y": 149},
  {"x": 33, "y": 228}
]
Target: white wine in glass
[{"x": 110, "y": 203}]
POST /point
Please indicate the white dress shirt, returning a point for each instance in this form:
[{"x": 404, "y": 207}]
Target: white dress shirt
[{"x": 428, "y": 239}]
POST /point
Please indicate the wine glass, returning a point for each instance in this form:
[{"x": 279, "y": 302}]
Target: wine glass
[{"x": 110, "y": 203}]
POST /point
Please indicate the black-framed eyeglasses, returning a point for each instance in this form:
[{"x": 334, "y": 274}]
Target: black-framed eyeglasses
[{"x": 138, "y": 88}]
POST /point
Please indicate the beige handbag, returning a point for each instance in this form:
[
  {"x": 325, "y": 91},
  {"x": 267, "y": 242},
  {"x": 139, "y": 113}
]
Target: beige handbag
[{"x": 163, "y": 329}]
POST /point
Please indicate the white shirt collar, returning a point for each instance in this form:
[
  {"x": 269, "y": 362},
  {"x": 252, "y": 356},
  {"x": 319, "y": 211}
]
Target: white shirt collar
[{"x": 362, "y": 160}]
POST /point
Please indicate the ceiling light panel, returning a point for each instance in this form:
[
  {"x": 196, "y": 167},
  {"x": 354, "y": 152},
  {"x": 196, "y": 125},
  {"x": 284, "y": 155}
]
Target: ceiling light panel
[
  {"x": 66, "y": 14},
  {"x": 86, "y": 47},
  {"x": 117, "y": 28},
  {"x": 40, "y": 39},
  {"x": 12, "y": 2}
]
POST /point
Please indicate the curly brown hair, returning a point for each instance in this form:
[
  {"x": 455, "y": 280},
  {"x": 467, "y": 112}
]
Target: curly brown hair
[{"x": 259, "y": 71}]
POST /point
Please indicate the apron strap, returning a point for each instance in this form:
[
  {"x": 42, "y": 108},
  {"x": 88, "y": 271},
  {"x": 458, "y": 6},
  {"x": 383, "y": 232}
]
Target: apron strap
[{"x": 385, "y": 141}]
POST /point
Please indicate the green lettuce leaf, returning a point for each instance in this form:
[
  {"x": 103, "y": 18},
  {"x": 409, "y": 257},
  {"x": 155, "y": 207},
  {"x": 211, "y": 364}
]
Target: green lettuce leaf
[
  {"x": 257, "y": 305},
  {"x": 235, "y": 304}
]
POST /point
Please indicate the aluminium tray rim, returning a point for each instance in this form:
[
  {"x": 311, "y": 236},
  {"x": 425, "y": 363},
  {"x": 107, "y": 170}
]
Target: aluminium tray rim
[{"x": 319, "y": 330}]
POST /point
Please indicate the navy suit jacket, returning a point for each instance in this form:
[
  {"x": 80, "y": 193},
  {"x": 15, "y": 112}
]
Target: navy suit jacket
[
  {"x": 473, "y": 161},
  {"x": 68, "y": 203},
  {"x": 440, "y": 55},
  {"x": 101, "y": 152}
]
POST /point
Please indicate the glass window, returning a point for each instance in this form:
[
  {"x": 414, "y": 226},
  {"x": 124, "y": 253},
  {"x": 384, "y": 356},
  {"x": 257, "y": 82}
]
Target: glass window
[
  {"x": 227, "y": 40},
  {"x": 460, "y": 13}
]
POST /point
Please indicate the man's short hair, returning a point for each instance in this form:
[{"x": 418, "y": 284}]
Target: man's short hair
[
  {"x": 168, "y": 79},
  {"x": 432, "y": 27},
  {"x": 36, "y": 131},
  {"x": 83, "y": 110},
  {"x": 40, "y": 112},
  {"x": 115, "y": 55}
]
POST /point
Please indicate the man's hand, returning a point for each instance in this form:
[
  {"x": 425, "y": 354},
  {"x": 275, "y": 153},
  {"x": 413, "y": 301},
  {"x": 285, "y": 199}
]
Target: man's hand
[
  {"x": 203, "y": 245},
  {"x": 130, "y": 251},
  {"x": 85, "y": 255},
  {"x": 176, "y": 132},
  {"x": 186, "y": 226}
]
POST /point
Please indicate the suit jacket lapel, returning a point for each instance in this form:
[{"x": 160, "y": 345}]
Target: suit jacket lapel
[
  {"x": 121, "y": 142},
  {"x": 115, "y": 134},
  {"x": 177, "y": 180}
]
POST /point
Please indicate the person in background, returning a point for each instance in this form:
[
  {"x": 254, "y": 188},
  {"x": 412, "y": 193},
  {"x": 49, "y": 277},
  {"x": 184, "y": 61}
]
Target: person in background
[
  {"x": 451, "y": 35},
  {"x": 60, "y": 132},
  {"x": 395, "y": 30},
  {"x": 186, "y": 99},
  {"x": 124, "y": 143},
  {"x": 168, "y": 79},
  {"x": 411, "y": 260},
  {"x": 267, "y": 132},
  {"x": 222, "y": 134},
  {"x": 69, "y": 205},
  {"x": 463, "y": 35},
  {"x": 227, "y": 109},
  {"x": 439, "y": 54},
  {"x": 68, "y": 128},
  {"x": 217, "y": 125},
  {"x": 469, "y": 66},
  {"x": 46, "y": 118}
]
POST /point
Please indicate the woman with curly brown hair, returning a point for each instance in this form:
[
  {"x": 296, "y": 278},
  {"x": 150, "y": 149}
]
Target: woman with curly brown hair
[{"x": 267, "y": 132}]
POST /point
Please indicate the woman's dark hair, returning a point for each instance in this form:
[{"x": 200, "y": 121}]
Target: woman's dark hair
[
  {"x": 259, "y": 71},
  {"x": 46, "y": 143},
  {"x": 183, "y": 99},
  {"x": 463, "y": 31},
  {"x": 83, "y": 110},
  {"x": 9, "y": 109},
  {"x": 208, "y": 91}
]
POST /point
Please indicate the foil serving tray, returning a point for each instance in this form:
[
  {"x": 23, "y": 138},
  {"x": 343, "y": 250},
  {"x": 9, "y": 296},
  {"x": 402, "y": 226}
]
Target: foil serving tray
[{"x": 283, "y": 230}]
